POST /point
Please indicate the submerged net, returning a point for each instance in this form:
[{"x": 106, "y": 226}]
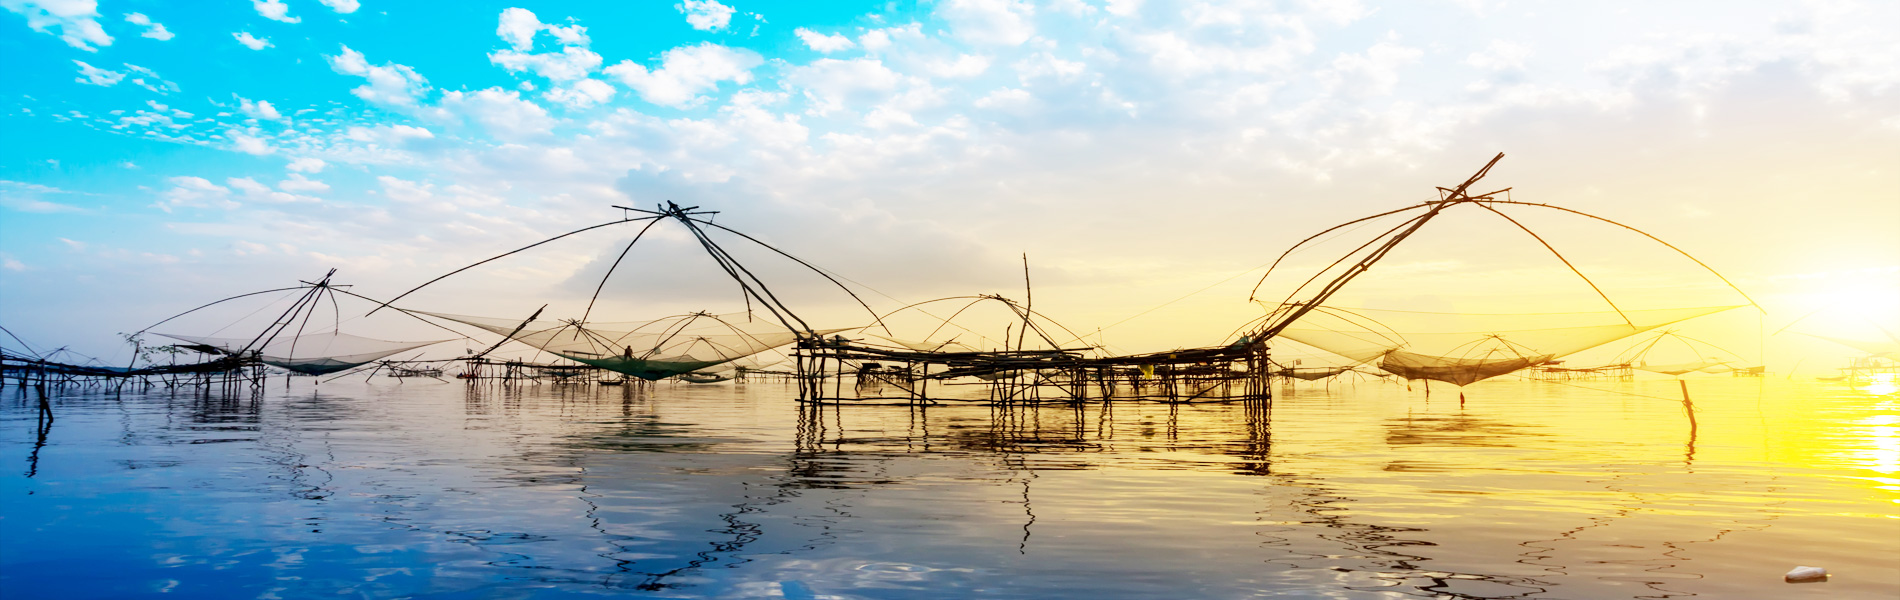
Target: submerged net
[
  {"x": 310, "y": 353},
  {"x": 650, "y": 350},
  {"x": 1464, "y": 348}
]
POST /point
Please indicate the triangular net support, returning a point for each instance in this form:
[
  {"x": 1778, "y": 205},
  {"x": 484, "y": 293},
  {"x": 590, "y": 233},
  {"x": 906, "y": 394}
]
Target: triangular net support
[
  {"x": 650, "y": 350},
  {"x": 310, "y": 353},
  {"x": 1464, "y": 348}
]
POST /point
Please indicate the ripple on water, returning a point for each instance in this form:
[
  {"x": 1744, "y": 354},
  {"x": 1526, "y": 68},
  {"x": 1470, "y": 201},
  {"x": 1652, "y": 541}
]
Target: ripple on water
[{"x": 1527, "y": 490}]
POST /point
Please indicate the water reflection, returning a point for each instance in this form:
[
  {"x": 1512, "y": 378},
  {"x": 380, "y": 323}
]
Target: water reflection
[
  {"x": 42, "y": 427},
  {"x": 1456, "y": 430},
  {"x": 739, "y": 491}
]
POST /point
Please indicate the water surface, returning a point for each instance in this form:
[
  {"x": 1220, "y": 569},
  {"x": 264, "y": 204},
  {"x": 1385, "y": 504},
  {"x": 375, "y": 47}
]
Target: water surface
[{"x": 1367, "y": 490}]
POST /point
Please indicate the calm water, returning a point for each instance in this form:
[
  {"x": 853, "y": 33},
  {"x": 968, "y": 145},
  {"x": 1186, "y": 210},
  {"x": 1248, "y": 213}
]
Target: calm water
[{"x": 429, "y": 490}]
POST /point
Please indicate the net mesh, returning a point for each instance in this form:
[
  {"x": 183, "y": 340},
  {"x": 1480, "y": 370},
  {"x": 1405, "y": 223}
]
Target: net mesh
[
  {"x": 1876, "y": 348},
  {"x": 650, "y": 350},
  {"x": 1312, "y": 373},
  {"x": 944, "y": 346},
  {"x": 1706, "y": 366},
  {"x": 311, "y": 353},
  {"x": 1464, "y": 348}
]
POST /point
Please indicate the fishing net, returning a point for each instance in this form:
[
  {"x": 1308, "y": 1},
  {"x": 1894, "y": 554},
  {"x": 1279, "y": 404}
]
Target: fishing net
[
  {"x": 1679, "y": 355},
  {"x": 310, "y": 353},
  {"x": 944, "y": 346},
  {"x": 1704, "y": 366},
  {"x": 1312, "y": 373},
  {"x": 650, "y": 350},
  {"x": 1875, "y": 348},
  {"x": 1464, "y": 348}
]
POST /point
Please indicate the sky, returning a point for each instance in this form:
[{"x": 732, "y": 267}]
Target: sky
[{"x": 1145, "y": 159}]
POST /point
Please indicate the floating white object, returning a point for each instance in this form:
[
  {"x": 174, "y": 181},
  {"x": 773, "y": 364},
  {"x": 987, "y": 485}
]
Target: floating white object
[{"x": 1806, "y": 574}]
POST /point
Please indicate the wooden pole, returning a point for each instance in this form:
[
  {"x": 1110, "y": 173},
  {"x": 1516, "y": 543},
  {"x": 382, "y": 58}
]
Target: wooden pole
[{"x": 1688, "y": 406}]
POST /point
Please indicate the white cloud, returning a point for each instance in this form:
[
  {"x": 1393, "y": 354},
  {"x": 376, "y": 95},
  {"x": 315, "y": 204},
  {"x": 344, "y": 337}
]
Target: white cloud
[
  {"x": 1007, "y": 99},
  {"x": 831, "y": 83},
  {"x": 157, "y": 83},
  {"x": 1500, "y": 56},
  {"x": 705, "y": 15},
  {"x": 1045, "y": 65},
  {"x": 584, "y": 93},
  {"x": 249, "y": 144},
  {"x": 77, "y": 20},
  {"x": 1004, "y": 22},
  {"x": 254, "y": 43},
  {"x": 153, "y": 30},
  {"x": 24, "y": 197},
  {"x": 687, "y": 71},
  {"x": 342, "y": 6},
  {"x": 306, "y": 165},
  {"x": 877, "y": 40},
  {"x": 388, "y": 135},
  {"x": 571, "y": 63},
  {"x": 572, "y": 35},
  {"x": 298, "y": 183},
  {"x": 274, "y": 10},
  {"x": 1372, "y": 73},
  {"x": 1076, "y": 8},
  {"x": 91, "y": 75},
  {"x": 402, "y": 190},
  {"x": 965, "y": 66},
  {"x": 258, "y": 192},
  {"x": 34, "y": 205},
  {"x": 502, "y": 112},
  {"x": 258, "y": 110},
  {"x": 195, "y": 192},
  {"x": 886, "y": 117},
  {"x": 518, "y": 26},
  {"x": 247, "y": 185},
  {"x": 389, "y": 83},
  {"x": 823, "y": 43},
  {"x": 1337, "y": 12}
]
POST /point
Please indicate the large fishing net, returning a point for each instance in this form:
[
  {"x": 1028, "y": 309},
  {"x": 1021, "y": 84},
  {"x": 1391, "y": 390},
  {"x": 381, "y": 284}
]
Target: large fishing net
[
  {"x": 1887, "y": 348},
  {"x": 310, "y": 353},
  {"x": 1464, "y": 348},
  {"x": 650, "y": 350},
  {"x": 1671, "y": 353},
  {"x": 1312, "y": 373},
  {"x": 927, "y": 346}
]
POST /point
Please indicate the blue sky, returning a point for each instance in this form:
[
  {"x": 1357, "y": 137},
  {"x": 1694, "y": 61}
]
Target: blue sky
[{"x": 154, "y": 155}]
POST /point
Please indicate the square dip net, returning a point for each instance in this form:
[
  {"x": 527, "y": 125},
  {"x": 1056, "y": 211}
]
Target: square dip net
[{"x": 1464, "y": 348}]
